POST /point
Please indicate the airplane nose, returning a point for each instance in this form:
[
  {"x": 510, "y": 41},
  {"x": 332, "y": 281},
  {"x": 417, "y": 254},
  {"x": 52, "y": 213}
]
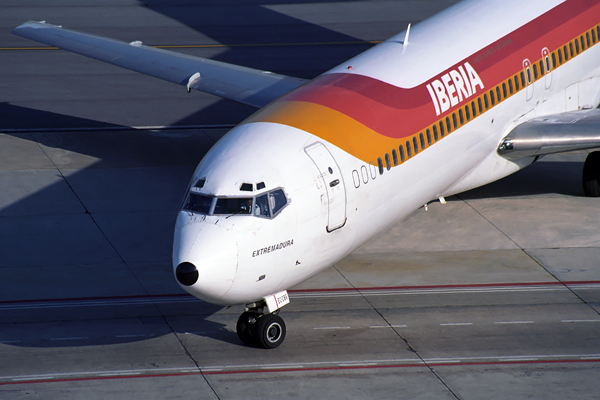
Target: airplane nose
[
  {"x": 186, "y": 273},
  {"x": 204, "y": 259}
]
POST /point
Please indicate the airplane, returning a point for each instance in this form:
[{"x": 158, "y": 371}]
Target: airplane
[{"x": 464, "y": 98}]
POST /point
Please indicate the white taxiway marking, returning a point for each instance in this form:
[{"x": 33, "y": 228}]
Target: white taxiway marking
[
  {"x": 514, "y": 322},
  {"x": 332, "y": 327},
  {"x": 579, "y": 320},
  {"x": 457, "y": 324}
]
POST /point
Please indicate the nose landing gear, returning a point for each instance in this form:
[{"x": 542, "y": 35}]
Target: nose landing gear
[{"x": 260, "y": 325}]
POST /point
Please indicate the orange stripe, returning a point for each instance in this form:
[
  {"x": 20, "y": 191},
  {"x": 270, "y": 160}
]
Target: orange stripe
[{"x": 330, "y": 125}]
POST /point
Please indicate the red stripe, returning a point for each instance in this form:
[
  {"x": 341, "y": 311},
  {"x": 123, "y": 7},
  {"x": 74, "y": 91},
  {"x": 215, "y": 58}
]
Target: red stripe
[
  {"x": 337, "y": 368},
  {"x": 400, "y": 112},
  {"x": 362, "y": 289},
  {"x": 458, "y": 286}
]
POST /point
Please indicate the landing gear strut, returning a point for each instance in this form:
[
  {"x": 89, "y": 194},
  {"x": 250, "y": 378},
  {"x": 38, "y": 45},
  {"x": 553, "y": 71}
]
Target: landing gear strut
[
  {"x": 591, "y": 175},
  {"x": 260, "y": 325}
]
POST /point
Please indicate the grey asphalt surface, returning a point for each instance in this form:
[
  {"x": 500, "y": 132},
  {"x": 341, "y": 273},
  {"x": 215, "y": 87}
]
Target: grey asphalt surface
[{"x": 495, "y": 294}]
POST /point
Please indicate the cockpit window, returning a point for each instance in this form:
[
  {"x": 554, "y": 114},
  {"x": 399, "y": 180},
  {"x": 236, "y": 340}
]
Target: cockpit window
[
  {"x": 233, "y": 205},
  {"x": 198, "y": 203},
  {"x": 261, "y": 206},
  {"x": 246, "y": 187},
  {"x": 266, "y": 205},
  {"x": 277, "y": 200}
]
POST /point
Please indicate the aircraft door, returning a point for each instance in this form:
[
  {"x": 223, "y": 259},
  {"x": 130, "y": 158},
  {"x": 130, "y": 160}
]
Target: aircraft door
[{"x": 331, "y": 177}]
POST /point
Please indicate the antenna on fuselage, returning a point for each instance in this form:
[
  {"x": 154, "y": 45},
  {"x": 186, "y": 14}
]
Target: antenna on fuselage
[{"x": 405, "y": 43}]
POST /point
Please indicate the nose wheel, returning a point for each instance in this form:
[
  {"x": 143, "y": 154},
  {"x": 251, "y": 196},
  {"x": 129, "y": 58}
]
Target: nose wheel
[
  {"x": 260, "y": 325},
  {"x": 266, "y": 331}
]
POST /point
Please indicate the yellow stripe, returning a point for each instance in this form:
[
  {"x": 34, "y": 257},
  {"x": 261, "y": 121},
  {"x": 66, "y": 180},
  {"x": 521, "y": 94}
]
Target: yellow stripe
[{"x": 330, "y": 125}]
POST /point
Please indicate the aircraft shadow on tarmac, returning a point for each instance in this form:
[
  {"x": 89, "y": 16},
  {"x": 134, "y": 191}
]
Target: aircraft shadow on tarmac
[
  {"x": 88, "y": 222},
  {"x": 115, "y": 204}
]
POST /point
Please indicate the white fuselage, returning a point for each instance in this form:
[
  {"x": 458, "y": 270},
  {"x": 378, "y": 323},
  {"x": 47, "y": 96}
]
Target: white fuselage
[{"x": 242, "y": 258}]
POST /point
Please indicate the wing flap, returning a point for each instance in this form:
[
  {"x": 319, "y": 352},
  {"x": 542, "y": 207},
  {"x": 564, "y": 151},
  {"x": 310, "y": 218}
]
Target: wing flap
[
  {"x": 245, "y": 85},
  {"x": 559, "y": 133}
]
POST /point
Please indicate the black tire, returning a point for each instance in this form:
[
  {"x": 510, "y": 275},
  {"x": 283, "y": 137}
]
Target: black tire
[
  {"x": 591, "y": 175},
  {"x": 269, "y": 331},
  {"x": 243, "y": 327}
]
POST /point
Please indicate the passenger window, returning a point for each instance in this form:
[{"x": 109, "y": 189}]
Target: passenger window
[
  {"x": 454, "y": 122},
  {"x": 479, "y": 105},
  {"x": 510, "y": 87},
  {"x": 395, "y": 157},
  {"x": 492, "y": 98},
  {"x": 380, "y": 165},
  {"x": 547, "y": 59},
  {"x": 198, "y": 203},
  {"x": 571, "y": 53},
  {"x": 428, "y": 134},
  {"x": 401, "y": 150},
  {"x": 276, "y": 201},
  {"x": 415, "y": 145},
  {"x": 233, "y": 205},
  {"x": 593, "y": 36},
  {"x": 388, "y": 164},
  {"x": 587, "y": 39},
  {"x": 485, "y": 101},
  {"x": 535, "y": 72},
  {"x": 408, "y": 150},
  {"x": 261, "y": 206},
  {"x": 565, "y": 51},
  {"x": 422, "y": 140},
  {"x": 559, "y": 52},
  {"x": 448, "y": 126},
  {"x": 503, "y": 90},
  {"x": 441, "y": 129},
  {"x": 435, "y": 133},
  {"x": 522, "y": 79},
  {"x": 460, "y": 117},
  {"x": 516, "y": 79},
  {"x": 553, "y": 60},
  {"x": 582, "y": 41},
  {"x": 467, "y": 113},
  {"x": 541, "y": 64}
]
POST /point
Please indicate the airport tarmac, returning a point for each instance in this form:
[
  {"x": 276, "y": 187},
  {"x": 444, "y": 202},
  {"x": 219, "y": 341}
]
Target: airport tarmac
[{"x": 495, "y": 294}]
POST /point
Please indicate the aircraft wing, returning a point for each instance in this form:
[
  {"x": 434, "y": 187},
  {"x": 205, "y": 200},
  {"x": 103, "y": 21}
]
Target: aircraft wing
[
  {"x": 245, "y": 85},
  {"x": 559, "y": 133}
]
